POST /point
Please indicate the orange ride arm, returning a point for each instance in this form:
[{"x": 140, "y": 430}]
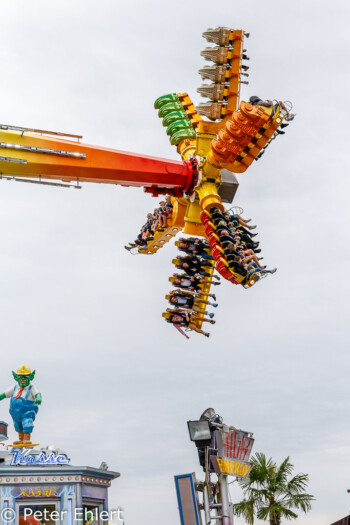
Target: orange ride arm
[{"x": 21, "y": 154}]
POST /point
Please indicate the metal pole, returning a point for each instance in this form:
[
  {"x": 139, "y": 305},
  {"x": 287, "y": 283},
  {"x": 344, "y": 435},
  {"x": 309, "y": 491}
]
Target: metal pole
[
  {"x": 227, "y": 516},
  {"x": 206, "y": 504}
]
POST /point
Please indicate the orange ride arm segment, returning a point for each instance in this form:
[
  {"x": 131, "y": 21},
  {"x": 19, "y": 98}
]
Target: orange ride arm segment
[{"x": 93, "y": 164}]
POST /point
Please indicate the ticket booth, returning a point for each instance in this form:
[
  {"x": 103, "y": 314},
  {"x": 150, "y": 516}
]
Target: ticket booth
[{"x": 41, "y": 487}]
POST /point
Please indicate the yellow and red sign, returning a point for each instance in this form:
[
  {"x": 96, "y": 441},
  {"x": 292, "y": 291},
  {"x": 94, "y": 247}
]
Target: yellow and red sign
[{"x": 232, "y": 468}]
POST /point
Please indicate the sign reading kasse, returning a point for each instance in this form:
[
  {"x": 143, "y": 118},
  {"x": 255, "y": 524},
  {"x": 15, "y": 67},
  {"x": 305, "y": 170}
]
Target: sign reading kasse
[{"x": 39, "y": 492}]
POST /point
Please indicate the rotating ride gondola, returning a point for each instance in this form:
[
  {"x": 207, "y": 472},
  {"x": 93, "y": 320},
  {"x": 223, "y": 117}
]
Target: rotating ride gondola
[{"x": 196, "y": 188}]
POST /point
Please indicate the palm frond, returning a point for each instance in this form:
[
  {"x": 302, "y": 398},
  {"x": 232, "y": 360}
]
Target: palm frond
[
  {"x": 270, "y": 494},
  {"x": 298, "y": 483},
  {"x": 245, "y": 508},
  {"x": 300, "y": 501}
]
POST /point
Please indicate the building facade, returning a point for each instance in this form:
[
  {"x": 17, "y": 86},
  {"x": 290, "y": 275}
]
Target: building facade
[{"x": 41, "y": 487}]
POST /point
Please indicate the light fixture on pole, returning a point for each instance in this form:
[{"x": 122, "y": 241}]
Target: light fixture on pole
[{"x": 199, "y": 431}]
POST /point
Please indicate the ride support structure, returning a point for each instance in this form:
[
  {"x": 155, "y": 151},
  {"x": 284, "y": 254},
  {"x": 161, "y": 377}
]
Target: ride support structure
[
  {"x": 215, "y": 140},
  {"x": 212, "y": 152},
  {"x": 49, "y": 156}
]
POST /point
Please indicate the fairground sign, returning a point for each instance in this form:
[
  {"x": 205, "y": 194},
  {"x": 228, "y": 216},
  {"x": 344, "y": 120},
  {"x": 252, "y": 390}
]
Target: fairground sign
[
  {"x": 28, "y": 457},
  {"x": 40, "y": 492},
  {"x": 232, "y": 468},
  {"x": 234, "y": 444}
]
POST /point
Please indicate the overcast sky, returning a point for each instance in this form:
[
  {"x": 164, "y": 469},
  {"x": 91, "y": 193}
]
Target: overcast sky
[{"x": 118, "y": 383}]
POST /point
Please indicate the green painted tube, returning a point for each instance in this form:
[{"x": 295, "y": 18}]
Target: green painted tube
[
  {"x": 169, "y": 108},
  {"x": 182, "y": 135},
  {"x": 165, "y": 99},
  {"x": 172, "y": 117},
  {"x": 179, "y": 124}
]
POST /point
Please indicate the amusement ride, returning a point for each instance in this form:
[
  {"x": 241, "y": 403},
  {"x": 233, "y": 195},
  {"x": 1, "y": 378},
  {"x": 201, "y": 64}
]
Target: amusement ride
[{"x": 216, "y": 140}]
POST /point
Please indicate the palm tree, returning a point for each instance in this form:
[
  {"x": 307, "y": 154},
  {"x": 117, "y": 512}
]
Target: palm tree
[{"x": 270, "y": 493}]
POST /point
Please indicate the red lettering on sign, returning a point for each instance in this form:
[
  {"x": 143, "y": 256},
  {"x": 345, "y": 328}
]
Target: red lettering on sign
[{"x": 236, "y": 445}]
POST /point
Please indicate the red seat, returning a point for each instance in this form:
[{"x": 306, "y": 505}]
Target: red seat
[
  {"x": 216, "y": 253},
  {"x": 225, "y": 272}
]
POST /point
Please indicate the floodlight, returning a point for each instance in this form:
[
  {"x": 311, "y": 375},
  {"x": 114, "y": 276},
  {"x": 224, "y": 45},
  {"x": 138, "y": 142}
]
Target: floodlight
[{"x": 199, "y": 430}]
